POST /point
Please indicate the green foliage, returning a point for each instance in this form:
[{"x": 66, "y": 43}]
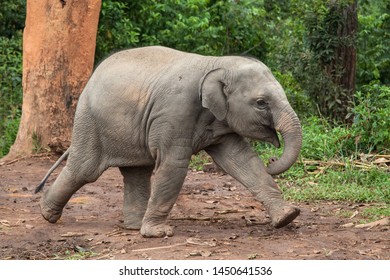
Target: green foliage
[
  {"x": 10, "y": 90},
  {"x": 116, "y": 30},
  {"x": 293, "y": 89},
  {"x": 76, "y": 253},
  {"x": 323, "y": 24},
  {"x": 322, "y": 141},
  {"x": 8, "y": 132},
  {"x": 346, "y": 184},
  {"x": 205, "y": 27},
  {"x": 181, "y": 25},
  {"x": 12, "y": 17},
  {"x": 325, "y": 142},
  {"x": 199, "y": 160},
  {"x": 323, "y": 69},
  {"x": 343, "y": 181},
  {"x": 374, "y": 43},
  {"x": 371, "y": 123},
  {"x": 306, "y": 40},
  {"x": 357, "y": 186},
  {"x": 376, "y": 212}
]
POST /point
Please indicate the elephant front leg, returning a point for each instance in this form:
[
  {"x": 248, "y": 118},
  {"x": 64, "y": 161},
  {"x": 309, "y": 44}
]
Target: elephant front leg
[
  {"x": 136, "y": 195},
  {"x": 166, "y": 184},
  {"x": 237, "y": 158}
]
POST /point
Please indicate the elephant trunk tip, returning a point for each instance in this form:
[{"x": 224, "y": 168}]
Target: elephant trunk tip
[{"x": 293, "y": 143}]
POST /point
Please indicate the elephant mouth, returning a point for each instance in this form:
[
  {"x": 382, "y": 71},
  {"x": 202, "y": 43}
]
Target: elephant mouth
[{"x": 272, "y": 137}]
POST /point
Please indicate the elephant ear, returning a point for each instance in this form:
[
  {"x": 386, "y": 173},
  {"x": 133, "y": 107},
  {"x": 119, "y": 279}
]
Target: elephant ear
[{"x": 213, "y": 92}]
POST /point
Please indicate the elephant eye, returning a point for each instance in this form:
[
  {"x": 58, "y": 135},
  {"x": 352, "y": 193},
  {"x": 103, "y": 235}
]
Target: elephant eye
[{"x": 261, "y": 104}]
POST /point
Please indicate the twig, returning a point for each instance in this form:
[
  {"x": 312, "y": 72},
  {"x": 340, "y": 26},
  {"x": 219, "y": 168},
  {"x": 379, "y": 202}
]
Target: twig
[
  {"x": 10, "y": 162},
  {"x": 35, "y": 251},
  {"x": 357, "y": 164},
  {"x": 72, "y": 234},
  {"x": 189, "y": 241},
  {"x": 382, "y": 222},
  {"x": 159, "y": 248},
  {"x": 191, "y": 218},
  {"x": 104, "y": 256},
  {"x": 41, "y": 155},
  {"x": 378, "y": 156},
  {"x": 229, "y": 211}
]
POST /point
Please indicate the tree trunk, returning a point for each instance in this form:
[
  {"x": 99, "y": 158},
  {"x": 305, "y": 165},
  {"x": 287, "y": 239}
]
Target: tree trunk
[
  {"x": 347, "y": 52},
  {"x": 58, "y": 55},
  {"x": 343, "y": 66}
]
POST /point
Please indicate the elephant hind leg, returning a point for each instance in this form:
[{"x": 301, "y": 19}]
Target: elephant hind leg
[
  {"x": 136, "y": 194},
  {"x": 71, "y": 179}
]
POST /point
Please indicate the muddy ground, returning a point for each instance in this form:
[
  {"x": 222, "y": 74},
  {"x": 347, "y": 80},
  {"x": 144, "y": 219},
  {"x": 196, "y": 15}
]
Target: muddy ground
[{"x": 215, "y": 218}]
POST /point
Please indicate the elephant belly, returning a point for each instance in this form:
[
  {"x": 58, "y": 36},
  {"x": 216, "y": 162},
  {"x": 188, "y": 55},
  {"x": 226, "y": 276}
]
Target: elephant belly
[
  {"x": 123, "y": 145},
  {"x": 116, "y": 138}
]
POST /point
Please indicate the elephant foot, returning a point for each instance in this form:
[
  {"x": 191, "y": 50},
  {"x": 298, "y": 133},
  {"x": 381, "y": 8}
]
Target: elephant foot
[
  {"x": 156, "y": 231},
  {"x": 283, "y": 215},
  {"x": 50, "y": 211},
  {"x": 133, "y": 220}
]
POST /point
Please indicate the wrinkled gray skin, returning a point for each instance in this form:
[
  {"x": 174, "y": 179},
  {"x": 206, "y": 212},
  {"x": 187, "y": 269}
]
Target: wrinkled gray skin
[{"x": 148, "y": 110}]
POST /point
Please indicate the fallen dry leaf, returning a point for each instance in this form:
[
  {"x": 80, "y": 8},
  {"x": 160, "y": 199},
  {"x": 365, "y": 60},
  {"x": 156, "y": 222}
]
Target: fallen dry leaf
[
  {"x": 195, "y": 254},
  {"x": 348, "y": 225},
  {"x": 5, "y": 223},
  {"x": 354, "y": 214},
  {"x": 252, "y": 256}
]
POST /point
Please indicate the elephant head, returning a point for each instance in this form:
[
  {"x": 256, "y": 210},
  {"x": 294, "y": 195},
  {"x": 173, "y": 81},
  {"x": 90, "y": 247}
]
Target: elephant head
[{"x": 254, "y": 105}]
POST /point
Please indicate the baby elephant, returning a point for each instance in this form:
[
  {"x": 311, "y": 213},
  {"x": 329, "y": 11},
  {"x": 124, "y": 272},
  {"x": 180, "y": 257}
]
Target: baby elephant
[{"x": 147, "y": 110}]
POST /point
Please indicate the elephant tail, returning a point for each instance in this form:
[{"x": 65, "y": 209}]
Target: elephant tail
[{"x": 55, "y": 165}]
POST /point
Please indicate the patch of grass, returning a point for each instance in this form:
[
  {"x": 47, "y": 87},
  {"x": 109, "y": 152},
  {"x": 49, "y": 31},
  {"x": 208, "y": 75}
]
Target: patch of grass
[
  {"x": 8, "y": 131},
  {"x": 197, "y": 161},
  {"x": 376, "y": 212},
  {"x": 322, "y": 141},
  {"x": 350, "y": 184},
  {"x": 346, "y": 214},
  {"x": 37, "y": 142},
  {"x": 76, "y": 254}
]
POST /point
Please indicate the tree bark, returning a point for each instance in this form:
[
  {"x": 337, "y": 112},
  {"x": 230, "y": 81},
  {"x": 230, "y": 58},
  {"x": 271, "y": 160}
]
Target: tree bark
[
  {"x": 343, "y": 66},
  {"x": 58, "y": 55},
  {"x": 347, "y": 52}
]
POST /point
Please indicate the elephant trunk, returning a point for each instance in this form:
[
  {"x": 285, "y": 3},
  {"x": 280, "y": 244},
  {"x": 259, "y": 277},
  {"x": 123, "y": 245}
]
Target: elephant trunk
[{"x": 287, "y": 123}]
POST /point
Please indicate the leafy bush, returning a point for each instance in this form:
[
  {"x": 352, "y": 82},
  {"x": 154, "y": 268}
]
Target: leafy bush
[
  {"x": 9, "y": 130},
  {"x": 12, "y": 17},
  {"x": 116, "y": 30},
  {"x": 295, "y": 95},
  {"x": 371, "y": 124},
  {"x": 205, "y": 27},
  {"x": 322, "y": 141},
  {"x": 10, "y": 90},
  {"x": 373, "y": 54}
]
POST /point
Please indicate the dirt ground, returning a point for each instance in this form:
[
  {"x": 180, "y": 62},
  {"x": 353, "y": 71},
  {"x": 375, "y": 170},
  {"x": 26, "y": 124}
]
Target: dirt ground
[{"x": 215, "y": 218}]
